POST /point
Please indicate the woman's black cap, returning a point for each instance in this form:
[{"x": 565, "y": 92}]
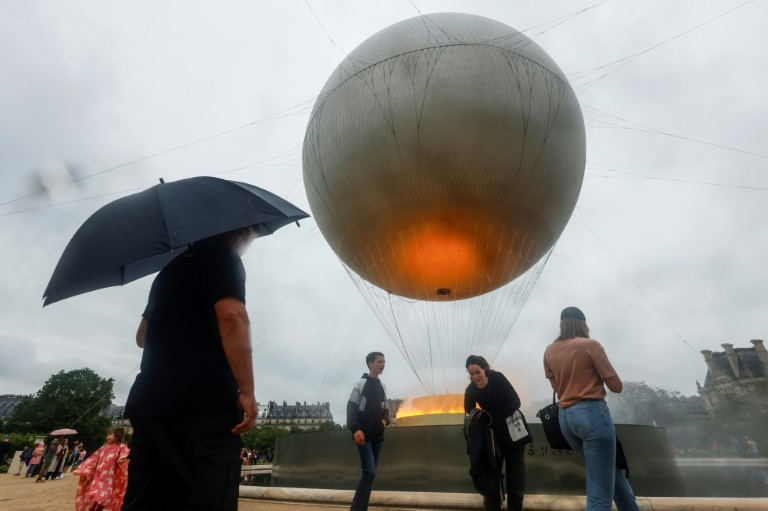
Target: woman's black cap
[{"x": 572, "y": 312}]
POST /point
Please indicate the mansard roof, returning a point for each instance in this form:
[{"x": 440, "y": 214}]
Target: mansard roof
[
  {"x": 298, "y": 410},
  {"x": 114, "y": 411},
  {"x": 8, "y": 403},
  {"x": 749, "y": 365}
]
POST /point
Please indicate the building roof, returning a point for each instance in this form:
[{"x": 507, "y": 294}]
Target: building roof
[
  {"x": 298, "y": 411},
  {"x": 114, "y": 411},
  {"x": 8, "y": 403},
  {"x": 749, "y": 365}
]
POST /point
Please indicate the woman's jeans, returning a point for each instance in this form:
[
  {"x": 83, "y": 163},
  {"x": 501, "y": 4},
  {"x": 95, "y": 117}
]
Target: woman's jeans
[
  {"x": 588, "y": 427},
  {"x": 369, "y": 460}
]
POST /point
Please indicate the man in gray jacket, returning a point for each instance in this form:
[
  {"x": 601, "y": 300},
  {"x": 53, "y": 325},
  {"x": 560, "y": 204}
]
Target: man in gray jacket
[{"x": 367, "y": 416}]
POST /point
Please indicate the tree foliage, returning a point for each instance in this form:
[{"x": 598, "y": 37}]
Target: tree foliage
[
  {"x": 68, "y": 399},
  {"x": 735, "y": 418},
  {"x": 639, "y": 403},
  {"x": 266, "y": 436},
  {"x": 687, "y": 426},
  {"x": 263, "y": 437},
  {"x": 746, "y": 415},
  {"x": 330, "y": 426}
]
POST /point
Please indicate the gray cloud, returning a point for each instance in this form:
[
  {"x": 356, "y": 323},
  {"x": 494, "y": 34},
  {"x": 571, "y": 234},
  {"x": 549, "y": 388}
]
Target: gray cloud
[{"x": 95, "y": 86}]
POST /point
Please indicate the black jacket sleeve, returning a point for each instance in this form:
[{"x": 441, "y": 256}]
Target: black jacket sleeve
[
  {"x": 470, "y": 399},
  {"x": 509, "y": 393}
]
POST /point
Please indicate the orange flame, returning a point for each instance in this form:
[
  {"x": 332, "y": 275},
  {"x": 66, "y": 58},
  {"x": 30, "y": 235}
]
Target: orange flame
[{"x": 429, "y": 405}]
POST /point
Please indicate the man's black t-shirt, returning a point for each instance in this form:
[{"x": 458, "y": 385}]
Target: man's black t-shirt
[{"x": 184, "y": 368}]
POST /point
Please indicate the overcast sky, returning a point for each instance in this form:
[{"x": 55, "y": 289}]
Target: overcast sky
[{"x": 665, "y": 253}]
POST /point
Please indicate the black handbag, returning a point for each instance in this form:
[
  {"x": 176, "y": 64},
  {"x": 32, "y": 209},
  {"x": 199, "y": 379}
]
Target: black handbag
[
  {"x": 550, "y": 421},
  {"x": 621, "y": 458}
]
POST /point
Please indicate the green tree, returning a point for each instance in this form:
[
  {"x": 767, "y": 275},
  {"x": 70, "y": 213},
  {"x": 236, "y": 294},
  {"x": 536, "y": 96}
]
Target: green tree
[
  {"x": 68, "y": 399},
  {"x": 640, "y": 403},
  {"x": 736, "y": 417},
  {"x": 330, "y": 426},
  {"x": 263, "y": 437}
]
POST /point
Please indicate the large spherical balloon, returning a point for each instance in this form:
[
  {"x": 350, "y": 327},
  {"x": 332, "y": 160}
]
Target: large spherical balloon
[{"x": 444, "y": 156}]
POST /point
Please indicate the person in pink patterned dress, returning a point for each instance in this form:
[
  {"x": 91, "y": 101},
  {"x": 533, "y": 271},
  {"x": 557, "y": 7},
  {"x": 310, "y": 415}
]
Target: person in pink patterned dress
[{"x": 104, "y": 475}]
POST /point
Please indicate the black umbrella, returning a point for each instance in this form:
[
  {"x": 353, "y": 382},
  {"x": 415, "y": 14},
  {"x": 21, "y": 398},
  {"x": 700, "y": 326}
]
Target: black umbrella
[{"x": 139, "y": 234}]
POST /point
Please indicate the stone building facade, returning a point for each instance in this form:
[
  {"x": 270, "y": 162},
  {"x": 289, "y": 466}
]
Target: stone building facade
[
  {"x": 302, "y": 416},
  {"x": 115, "y": 414},
  {"x": 733, "y": 372}
]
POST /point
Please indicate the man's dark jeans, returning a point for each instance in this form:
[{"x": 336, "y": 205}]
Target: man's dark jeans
[
  {"x": 369, "y": 460},
  {"x": 184, "y": 463}
]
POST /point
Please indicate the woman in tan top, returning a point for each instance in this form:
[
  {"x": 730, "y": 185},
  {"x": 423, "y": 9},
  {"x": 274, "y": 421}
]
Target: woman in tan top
[{"x": 578, "y": 369}]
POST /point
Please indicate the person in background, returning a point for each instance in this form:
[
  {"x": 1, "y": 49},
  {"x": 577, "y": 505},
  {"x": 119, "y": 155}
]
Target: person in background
[
  {"x": 26, "y": 455},
  {"x": 69, "y": 463},
  {"x": 104, "y": 475},
  {"x": 578, "y": 370},
  {"x": 48, "y": 458},
  {"x": 367, "y": 416},
  {"x": 5, "y": 448},
  {"x": 82, "y": 455},
  {"x": 57, "y": 468},
  {"x": 36, "y": 460}
]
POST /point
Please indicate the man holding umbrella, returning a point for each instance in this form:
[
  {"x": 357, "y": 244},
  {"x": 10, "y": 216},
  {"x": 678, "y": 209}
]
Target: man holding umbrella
[{"x": 195, "y": 392}]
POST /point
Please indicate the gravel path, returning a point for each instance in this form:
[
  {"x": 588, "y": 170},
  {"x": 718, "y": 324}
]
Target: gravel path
[{"x": 21, "y": 494}]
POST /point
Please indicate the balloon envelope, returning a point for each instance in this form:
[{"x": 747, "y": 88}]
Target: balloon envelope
[{"x": 444, "y": 157}]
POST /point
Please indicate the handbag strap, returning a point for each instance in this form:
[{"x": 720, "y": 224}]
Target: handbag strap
[{"x": 554, "y": 400}]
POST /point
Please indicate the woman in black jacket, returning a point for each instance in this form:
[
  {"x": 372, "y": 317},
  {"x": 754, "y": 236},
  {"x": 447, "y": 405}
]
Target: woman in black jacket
[{"x": 493, "y": 393}]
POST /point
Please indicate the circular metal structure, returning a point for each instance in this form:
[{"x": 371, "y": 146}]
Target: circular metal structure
[{"x": 444, "y": 157}]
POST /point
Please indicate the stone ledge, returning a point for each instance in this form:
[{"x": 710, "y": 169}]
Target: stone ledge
[{"x": 455, "y": 501}]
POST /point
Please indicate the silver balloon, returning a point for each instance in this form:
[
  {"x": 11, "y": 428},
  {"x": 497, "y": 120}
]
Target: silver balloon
[
  {"x": 442, "y": 161},
  {"x": 444, "y": 157}
]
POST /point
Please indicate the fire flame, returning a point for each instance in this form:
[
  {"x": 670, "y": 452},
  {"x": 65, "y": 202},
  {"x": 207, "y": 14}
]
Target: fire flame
[{"x": 429, "y": 405}]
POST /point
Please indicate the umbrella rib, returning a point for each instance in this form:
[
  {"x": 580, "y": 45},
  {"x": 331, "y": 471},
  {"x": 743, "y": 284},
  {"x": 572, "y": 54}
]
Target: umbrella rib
[{"x": 161, "y": 202}]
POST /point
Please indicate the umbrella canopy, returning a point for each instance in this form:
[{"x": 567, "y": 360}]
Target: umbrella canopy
[
  {"x": 139, "y": 234},
  {"x": 65, "y": 431}
]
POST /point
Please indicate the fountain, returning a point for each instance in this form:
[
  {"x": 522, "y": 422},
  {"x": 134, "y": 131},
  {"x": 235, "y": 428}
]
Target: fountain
[{"x": 426, "y": 452}]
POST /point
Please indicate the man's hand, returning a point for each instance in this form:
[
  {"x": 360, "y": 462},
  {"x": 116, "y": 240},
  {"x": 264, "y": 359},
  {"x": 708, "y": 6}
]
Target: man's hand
[
  {"x": 383, "y": 423},
  {"x": 359, "y": 437},
  {"x": 249, "y": 408}
]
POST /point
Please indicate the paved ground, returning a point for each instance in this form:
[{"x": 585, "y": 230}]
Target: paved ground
[{"x": 21, "y": 494}]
